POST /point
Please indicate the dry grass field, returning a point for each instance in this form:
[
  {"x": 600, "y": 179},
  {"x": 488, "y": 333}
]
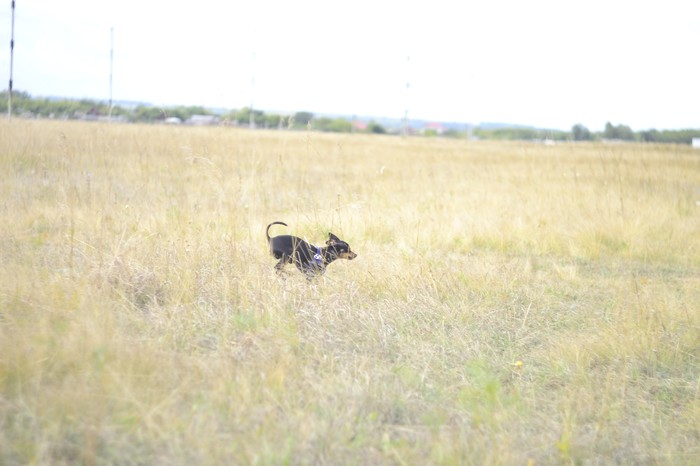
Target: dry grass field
[{"x": 511, "y": 303}]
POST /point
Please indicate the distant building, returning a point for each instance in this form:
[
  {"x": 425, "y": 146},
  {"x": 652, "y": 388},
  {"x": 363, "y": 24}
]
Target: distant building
[
  {"x": 173, "y": 121},
  {"x": 696, "y": 143},
  {"x": 435, "y": 128},
  {"x": 203, "y": 120},
  {"x": 358, "y": 125}
]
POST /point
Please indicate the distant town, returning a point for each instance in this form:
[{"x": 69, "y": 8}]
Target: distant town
[{"x": 26, "y": 106}]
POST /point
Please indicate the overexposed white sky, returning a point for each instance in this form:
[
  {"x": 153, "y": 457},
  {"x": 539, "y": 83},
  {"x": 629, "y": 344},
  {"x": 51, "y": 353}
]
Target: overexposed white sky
[{"x": 544, "y": 63}]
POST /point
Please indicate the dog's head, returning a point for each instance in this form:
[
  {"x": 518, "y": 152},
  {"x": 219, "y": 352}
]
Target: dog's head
[{"x": 340, "y": 248}]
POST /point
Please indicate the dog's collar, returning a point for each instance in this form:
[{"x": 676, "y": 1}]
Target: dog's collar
[{"x": 318, "y": 258}]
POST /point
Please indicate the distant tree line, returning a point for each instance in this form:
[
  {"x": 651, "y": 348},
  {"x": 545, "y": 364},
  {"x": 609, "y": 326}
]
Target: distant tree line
[
  {"x": 581, "y": 133},
  {"x": 25, "y": 105}
]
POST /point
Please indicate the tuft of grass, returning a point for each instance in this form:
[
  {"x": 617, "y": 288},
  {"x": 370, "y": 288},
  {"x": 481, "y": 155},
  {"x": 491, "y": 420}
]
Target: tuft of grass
[{"x": 510, "y": 303}]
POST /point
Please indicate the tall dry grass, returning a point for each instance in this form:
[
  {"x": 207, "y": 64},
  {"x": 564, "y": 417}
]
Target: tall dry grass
[{"x": 511, "y": 303}]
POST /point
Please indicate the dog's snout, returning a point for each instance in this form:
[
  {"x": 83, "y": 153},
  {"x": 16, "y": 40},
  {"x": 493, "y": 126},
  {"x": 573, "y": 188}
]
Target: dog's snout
[{"x": 349, "y": 255}]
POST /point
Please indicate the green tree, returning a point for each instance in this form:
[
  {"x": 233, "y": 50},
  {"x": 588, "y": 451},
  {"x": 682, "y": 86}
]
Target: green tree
[
  {"x": 302, "y": 119},
  {"x": 273, "y": 121},
  {"x": 651, "y": 135},
  {"x": 336, "y": 125},
  {"x": 242, "y": 117},
  {"x": 581, "y": 133},
  {"x": 147, "y": 113},
  {"x": 375, "y": 128},
  {"x": 620, "y": 132}
]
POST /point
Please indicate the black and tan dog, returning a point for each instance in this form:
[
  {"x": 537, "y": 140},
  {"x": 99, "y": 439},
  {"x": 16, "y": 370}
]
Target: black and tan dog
[{"x": 309, "y": 259}]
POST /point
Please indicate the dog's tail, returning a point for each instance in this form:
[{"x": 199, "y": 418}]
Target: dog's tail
[{"x": 267, "y": 232}]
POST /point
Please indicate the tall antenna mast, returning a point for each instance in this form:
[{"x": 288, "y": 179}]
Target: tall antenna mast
[
  {"x": 251, "y": 121},
  {"x": 12, "y": 57},
  {"x": 408, "y": 88},
  {"x": 111, "y": 68}
]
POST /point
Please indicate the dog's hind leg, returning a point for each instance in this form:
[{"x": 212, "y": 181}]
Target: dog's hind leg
[{"x": 279, "y": 266}]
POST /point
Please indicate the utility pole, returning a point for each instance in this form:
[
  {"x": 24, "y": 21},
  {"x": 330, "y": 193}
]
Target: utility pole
[
  {"x": 251, "y": 120},
  {"x": 12, "y": 57},
  {"x": 406, "y": 126},
  {"x": 111, "y": 69}
]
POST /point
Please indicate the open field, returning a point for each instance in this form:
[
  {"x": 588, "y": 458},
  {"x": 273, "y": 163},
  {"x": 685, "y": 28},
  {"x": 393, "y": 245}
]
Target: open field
[{"x": 510, "y": 303}]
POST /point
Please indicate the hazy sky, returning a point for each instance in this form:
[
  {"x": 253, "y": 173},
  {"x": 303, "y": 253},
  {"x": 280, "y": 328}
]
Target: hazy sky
[{"x": 538, "y": 62}]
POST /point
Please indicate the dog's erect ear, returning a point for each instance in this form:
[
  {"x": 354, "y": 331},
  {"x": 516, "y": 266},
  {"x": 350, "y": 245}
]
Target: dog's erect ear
[{"x": 332, "y": 238}]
